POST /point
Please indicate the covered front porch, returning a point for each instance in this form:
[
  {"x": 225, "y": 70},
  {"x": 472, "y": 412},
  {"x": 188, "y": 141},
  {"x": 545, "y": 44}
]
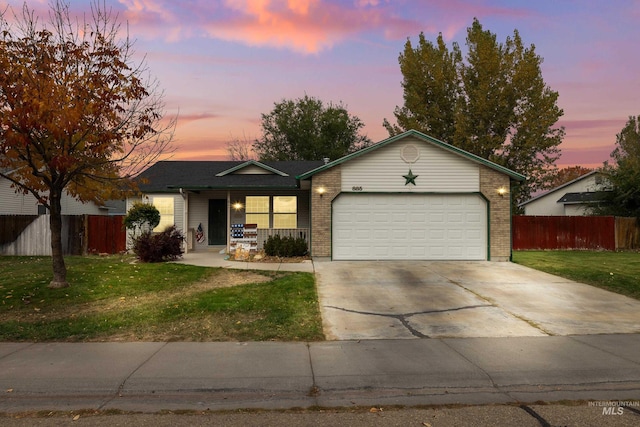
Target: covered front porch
[{"x": 211, "y": 217}]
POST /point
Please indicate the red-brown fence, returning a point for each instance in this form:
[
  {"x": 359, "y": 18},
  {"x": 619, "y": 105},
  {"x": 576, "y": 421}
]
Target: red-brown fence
[
  {"x": 105, "y": 234},
  {"x": 31, "y": 235},
  {"x": 575, "y": 232}
]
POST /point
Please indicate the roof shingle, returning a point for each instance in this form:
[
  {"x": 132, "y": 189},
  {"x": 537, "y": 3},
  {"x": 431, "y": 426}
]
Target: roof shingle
[{"x": 170, "y": 176}]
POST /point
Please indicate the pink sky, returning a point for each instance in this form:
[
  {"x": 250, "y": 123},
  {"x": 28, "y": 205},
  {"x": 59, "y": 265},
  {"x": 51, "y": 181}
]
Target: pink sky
[{"x": 222, "y": 63}]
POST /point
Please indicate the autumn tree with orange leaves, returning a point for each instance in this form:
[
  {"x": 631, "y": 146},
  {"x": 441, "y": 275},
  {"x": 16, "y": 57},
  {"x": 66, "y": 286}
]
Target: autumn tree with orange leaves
[
  {"x": 77, "y": 113},
  {"x": 567, "y": 174}
]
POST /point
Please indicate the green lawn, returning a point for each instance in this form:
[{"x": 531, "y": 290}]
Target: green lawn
[
  {"x": 615, "y": 271},
  {"x": 116, "y": 299}
]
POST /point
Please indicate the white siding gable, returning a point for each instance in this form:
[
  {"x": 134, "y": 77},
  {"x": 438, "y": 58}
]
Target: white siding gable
[
  {"x": 12, "y": 203},
  {"x": 437, "y": 170},
  {"x": 548, "y": 203},
  {"x": 252, "y": 170}
]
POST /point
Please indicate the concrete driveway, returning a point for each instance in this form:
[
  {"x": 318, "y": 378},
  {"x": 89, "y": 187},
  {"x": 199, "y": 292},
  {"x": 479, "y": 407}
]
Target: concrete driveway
[{"x": 391, "y": 299}]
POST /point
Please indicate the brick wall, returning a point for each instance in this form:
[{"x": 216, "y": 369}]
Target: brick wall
[
  {"x": 499, "y": 212},
  {"x": 330, "y": 180}
]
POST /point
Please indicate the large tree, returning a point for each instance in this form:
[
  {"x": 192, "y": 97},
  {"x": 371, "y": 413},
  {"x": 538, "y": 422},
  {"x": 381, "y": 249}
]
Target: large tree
[
  {"x": 493, "y": 102},
  {"x": 624, "y": 173},
  {"x": 306, "y": 129},
  {"x": 77, "y": 114}
]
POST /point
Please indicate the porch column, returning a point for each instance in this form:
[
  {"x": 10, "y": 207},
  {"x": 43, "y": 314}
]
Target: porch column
[
  {"x": 228, "y": 220},
  {"x": 185, "y": 219}
]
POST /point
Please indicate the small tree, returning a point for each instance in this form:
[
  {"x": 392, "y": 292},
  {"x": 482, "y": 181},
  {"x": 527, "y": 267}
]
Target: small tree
[
  {"x": 306, "y": 129},
  {"x": 77, "y": 114},
  {"x": 142, "y": 217}
]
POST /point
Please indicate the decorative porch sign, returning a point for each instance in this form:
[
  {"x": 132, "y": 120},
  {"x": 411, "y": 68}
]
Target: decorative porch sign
[
  {"x": 200, "y": 234},
  {"x": 244, "y": 236}
]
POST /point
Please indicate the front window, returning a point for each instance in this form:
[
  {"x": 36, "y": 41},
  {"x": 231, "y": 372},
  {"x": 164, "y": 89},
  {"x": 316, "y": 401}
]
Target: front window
[
  {"x": 285, "y": 212},
  {"x": 165, "y": 207},
  {"x": 257, "y": 210},
  {"x": 276, "y": 212}
]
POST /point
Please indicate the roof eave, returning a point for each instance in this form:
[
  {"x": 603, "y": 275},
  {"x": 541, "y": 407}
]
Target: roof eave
[{"x": 231, "y": 187}]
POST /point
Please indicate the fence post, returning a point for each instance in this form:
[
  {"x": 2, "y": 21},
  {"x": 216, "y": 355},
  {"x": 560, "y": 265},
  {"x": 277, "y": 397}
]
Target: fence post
[{"x": 85, "y": 234}]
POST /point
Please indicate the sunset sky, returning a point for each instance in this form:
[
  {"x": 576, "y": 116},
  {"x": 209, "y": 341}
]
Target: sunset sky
[{"x": 222, "y": 63}]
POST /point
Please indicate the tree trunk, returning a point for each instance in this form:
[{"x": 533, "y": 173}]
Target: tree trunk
[{"x": 55, "y": 224}]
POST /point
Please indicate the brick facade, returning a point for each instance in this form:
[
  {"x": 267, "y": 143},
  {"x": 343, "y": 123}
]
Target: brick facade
[
  {"x": 331, "y": 181},
  {"x": 499, "y": 212}
]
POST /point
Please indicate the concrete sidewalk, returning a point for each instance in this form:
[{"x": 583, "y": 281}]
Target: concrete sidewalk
[
  {"x": 150, "y": 377},
  {"x": 216, "y": 258}
]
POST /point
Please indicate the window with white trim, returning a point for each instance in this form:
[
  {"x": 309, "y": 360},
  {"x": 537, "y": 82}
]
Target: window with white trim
[
  {"x": 285, "y": 212},
  {"x": 166, "y": 209},
  {"x": 272, "y": 212},
  {"x": 257, "y": 211}
]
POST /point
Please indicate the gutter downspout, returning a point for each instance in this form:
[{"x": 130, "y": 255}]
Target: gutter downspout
[
  {"x": 185, "y": 218},
  {"x": 228, "y": 221}
]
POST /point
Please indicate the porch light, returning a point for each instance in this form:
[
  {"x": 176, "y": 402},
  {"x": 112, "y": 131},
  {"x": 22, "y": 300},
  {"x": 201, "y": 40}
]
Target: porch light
[
  {"x": 502, "y": 191},
  {"x": 237, "y": 206},
  {"x": 321, "y": 191}
]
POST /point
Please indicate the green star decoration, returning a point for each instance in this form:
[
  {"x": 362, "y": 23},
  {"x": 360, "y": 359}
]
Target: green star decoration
[{"x": 410, "y": 178}]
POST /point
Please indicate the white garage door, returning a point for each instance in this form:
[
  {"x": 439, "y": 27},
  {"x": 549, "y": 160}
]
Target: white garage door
[{"x": 409, "y": 226}]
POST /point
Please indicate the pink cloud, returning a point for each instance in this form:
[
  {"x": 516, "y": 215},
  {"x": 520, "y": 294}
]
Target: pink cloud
[
  {"x": 304, "y": 26},
  {"x": 591, "y": 157},
  {"x": 184, "y": 119},
  {"x": 307, "y": 26},
  {"x": 603, "y": 128},
  {"x": 202, "y": 149}
]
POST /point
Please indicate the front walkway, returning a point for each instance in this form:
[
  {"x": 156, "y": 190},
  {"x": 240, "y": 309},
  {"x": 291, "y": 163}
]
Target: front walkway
[{"x": 216, "y": 258}]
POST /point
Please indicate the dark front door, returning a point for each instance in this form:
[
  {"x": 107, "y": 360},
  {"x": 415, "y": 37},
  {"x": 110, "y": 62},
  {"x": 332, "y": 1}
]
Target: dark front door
[{"x": 217, "y": 222}]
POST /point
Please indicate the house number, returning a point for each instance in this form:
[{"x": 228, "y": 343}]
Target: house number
[{"x": 356, "y": 188}]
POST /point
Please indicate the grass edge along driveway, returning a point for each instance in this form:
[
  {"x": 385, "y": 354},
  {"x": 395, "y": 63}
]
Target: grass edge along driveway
[
  {"x": 115, "y": 298},
  {"x": 614, "y": 271}
]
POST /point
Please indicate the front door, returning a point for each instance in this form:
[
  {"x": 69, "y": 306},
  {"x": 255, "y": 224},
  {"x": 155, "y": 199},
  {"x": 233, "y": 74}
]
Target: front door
[{"x": 217, "y": 222}]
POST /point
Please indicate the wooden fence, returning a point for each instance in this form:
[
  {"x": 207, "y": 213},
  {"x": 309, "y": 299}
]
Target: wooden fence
[
  {"x": 576, "y": 232},
  {"x": 31, "y": 235},
  {"x": 105, "y": 234}
]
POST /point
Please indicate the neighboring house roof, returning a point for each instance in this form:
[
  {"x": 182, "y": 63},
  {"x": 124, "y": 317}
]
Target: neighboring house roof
[
  {"x": 560, "y": 187},
  {"x": 115, "y": 207},
  {"x": 423, "y": 137},
  {"x": 170, "y": 176},
  {"x": 583, "y": 197}
]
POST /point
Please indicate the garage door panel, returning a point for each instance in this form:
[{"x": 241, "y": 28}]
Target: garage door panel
[
  {"x": 436, "y": 235},
  {"x": 414, "y": 226},
  {"x": 436, "y": 217},
  {"x": 399, "y": 216}
]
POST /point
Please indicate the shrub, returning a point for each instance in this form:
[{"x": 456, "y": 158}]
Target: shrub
[
  {"x": 142, "y": 216},
  {"x": 285, "y": 246},
  {"x": 165, "y": 246}
]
